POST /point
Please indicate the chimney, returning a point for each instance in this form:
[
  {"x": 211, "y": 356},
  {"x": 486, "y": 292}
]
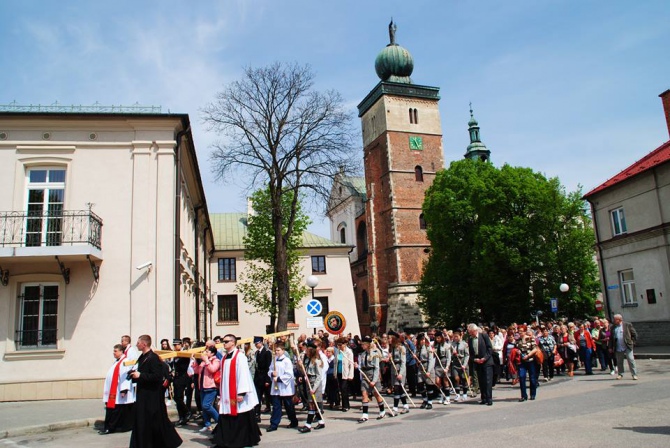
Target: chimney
[
  {"x": 250, "y": 208},
  {"x": 665, "y": 97}
]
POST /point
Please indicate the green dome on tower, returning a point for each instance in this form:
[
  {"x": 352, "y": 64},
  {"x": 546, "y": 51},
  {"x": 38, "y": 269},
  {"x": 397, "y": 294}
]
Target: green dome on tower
[{"x": 394, "y": 63}]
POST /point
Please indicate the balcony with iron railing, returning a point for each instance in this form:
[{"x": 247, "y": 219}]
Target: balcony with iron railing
[{"x": 69, "y": 234}]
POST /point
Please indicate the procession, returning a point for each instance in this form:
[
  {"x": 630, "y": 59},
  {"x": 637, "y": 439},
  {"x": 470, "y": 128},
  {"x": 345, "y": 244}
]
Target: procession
[{"x": 229, "y": 388}]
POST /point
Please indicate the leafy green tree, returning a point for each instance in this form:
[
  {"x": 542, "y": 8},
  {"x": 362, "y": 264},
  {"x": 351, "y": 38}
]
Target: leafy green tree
[
  {"x": 503, "y": 240},
  {"x": 258, "y": 283},
  {"x": 282, "y": 133}
]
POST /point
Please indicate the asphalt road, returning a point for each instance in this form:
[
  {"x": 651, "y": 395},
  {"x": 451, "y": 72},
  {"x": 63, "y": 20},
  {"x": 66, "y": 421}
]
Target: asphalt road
[{"x": 579, "y": 412}]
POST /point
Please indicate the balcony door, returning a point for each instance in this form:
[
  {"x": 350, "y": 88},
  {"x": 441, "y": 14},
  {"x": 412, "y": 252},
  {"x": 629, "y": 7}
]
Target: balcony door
[{"x": 46, "y": 195}]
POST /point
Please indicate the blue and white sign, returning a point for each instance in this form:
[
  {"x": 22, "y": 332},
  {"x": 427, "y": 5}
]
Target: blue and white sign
[
  {"x": 612, "y": 286},
  {"x": 314, "y": 307},
  {"x": 554, "y": 305}
]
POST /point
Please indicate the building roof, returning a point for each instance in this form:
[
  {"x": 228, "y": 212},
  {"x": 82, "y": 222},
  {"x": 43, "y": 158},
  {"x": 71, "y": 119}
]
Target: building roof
[
  {"x": 657, "y": 157},
  {"x": 229, "y": 230},
  {"x": 355, "y": 184}
]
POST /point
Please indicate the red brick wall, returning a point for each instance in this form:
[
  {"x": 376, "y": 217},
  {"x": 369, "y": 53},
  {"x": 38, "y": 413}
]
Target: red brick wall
[{"x": 400, "y": 226}]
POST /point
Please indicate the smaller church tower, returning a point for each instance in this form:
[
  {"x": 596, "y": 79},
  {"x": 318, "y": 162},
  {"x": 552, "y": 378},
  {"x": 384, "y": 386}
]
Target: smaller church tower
[{"x": 476, "y": 149}]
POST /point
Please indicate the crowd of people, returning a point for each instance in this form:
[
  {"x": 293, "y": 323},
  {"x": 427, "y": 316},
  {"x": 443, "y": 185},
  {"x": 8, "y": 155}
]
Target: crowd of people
[{"x": 324, "y": 373}]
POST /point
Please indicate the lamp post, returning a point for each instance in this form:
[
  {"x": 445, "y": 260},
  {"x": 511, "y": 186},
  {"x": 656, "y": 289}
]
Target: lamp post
[
  {"x": 210, "y": 307},
  {"x": 564, "y": 288},
  {"x": 313, "y": 281}
]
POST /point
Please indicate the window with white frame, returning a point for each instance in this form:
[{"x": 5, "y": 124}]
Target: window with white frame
[
  {"x": 627, "y": 280},
  {"x": 45, "y": 192},
  {"x": 38, "y": 316},
  {"x": 618, "y": 221}
]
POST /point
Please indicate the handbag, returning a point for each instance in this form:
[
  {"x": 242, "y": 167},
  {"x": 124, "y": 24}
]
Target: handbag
[{"x": 558, "y": 360}]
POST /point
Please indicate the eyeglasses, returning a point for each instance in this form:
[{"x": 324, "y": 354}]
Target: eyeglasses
[{"x": 225, "y": 341}]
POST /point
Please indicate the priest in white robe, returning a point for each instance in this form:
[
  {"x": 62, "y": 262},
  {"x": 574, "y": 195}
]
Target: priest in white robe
[
  {"x": 237, "y": 419},
  {"x": 118, "y": 415}
]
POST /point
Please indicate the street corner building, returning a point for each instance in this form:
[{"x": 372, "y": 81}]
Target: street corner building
[
  {"x": 631, "y": 216},
  {"x": 104, "y": 231},
  {"x": 327, "y": 260}
]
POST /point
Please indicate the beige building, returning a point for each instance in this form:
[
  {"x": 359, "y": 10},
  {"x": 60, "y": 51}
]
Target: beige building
[
  {"x": 104, "y": 231},
  {"x": 631, "y": 215},
  {"x": 323, "y": 258}
]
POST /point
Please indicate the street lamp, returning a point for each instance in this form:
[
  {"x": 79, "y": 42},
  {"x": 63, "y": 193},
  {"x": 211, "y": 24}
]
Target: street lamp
[
  {"x": 313, "y": 281},
  {"x": 564, "y": 288}
]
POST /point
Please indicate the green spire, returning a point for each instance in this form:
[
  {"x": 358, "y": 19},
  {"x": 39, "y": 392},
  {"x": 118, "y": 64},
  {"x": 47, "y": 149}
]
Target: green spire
[{"x": 476, "y": 149}]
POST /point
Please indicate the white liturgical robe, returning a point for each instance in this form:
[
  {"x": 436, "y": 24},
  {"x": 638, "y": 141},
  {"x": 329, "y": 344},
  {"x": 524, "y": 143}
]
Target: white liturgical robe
[
  {"x": 285, "y": 378},
  {"x": 123, "y": 383},
  {"x": 244, "y": 383}
]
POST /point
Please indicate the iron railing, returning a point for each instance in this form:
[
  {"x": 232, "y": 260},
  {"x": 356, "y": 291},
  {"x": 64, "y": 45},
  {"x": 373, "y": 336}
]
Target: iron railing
[
  {"x": 36, "y": 338},
  {"x": 50, "y": 228}
]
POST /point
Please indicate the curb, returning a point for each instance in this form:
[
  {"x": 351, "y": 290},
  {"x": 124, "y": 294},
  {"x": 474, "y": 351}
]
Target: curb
[
  {"x": 59, "y": 426},
  {"x": 652, "y": 355}
]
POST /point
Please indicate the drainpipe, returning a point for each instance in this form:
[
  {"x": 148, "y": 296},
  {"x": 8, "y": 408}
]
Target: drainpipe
[
  {"x": 204, "y": 274},
  {"x": 602, "y": 262},
  {"x": 177, "y": 230},
  {"x": 196, "y": 235}
]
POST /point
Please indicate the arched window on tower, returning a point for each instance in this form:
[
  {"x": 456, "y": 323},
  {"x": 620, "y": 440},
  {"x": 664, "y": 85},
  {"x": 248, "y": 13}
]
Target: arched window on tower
[
  {"x": 343, "y": 235},
  {"x": 411, "y": 116},
  {"x": 422, "y": 222},
  {"x": 365, "y": 302},
  {"x": 362, "y": 240},
  {"x": 416, "y": 116},
  {"x": 418, "y": 173}
]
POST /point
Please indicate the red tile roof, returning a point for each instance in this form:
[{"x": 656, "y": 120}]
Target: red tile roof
[{"x": 657, "y": 157}]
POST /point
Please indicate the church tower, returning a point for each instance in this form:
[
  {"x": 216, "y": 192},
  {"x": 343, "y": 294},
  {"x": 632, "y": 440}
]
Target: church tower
[
  {"x": 476, "y": 150},
  {"x": 402, "y": 144}
]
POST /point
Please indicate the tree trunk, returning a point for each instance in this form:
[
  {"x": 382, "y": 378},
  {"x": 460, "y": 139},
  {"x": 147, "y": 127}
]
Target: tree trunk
[{"x": 281, "y": 268}]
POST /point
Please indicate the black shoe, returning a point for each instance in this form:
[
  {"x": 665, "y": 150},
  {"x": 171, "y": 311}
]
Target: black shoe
[
  {"x": 271, "y": 428},
  {"x": 532, "y": 398},
  {"x": 522, "y": 399},
  {"x": 381, "y": 416},
  {"x": 104, "y": 432},
  {"x": 320, "y": 426},
  {"x": 490, "y": 403},
  {"x": 292, "y": 425},
  {"x": 304, "y": 430},
  {"x": 188, "y": 417},
  {"x": 482, "y": 402},
  {"x": 429, "y": 406},
  {"x": 180, "y": 422},
  {"x": 266, "y": 411},
  {"x": 423, "y": 405},
  {"x": 344, "y": 409}
]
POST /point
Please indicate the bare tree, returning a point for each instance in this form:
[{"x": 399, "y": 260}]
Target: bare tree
[{"x": 284, "y": 135}]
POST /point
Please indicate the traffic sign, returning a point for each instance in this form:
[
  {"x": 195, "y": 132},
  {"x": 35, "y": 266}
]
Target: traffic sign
[
  {"x": 554, "y": 305},
  {"x": 314, "y": 307},
  {"x": 599, "y": 305},
  {"x": 314, "y": 322}
]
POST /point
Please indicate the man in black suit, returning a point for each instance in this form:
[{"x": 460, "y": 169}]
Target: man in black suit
[
  {"x": 481, "y": 352},
  {"x": 261, "y": 378}
]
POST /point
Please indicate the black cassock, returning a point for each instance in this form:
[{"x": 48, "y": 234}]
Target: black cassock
[{"x": 152, "y": 427}]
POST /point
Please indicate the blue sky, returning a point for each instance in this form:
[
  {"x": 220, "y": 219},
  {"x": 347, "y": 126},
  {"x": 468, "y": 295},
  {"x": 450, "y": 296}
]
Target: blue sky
[{"x": 568, "y": 88}]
